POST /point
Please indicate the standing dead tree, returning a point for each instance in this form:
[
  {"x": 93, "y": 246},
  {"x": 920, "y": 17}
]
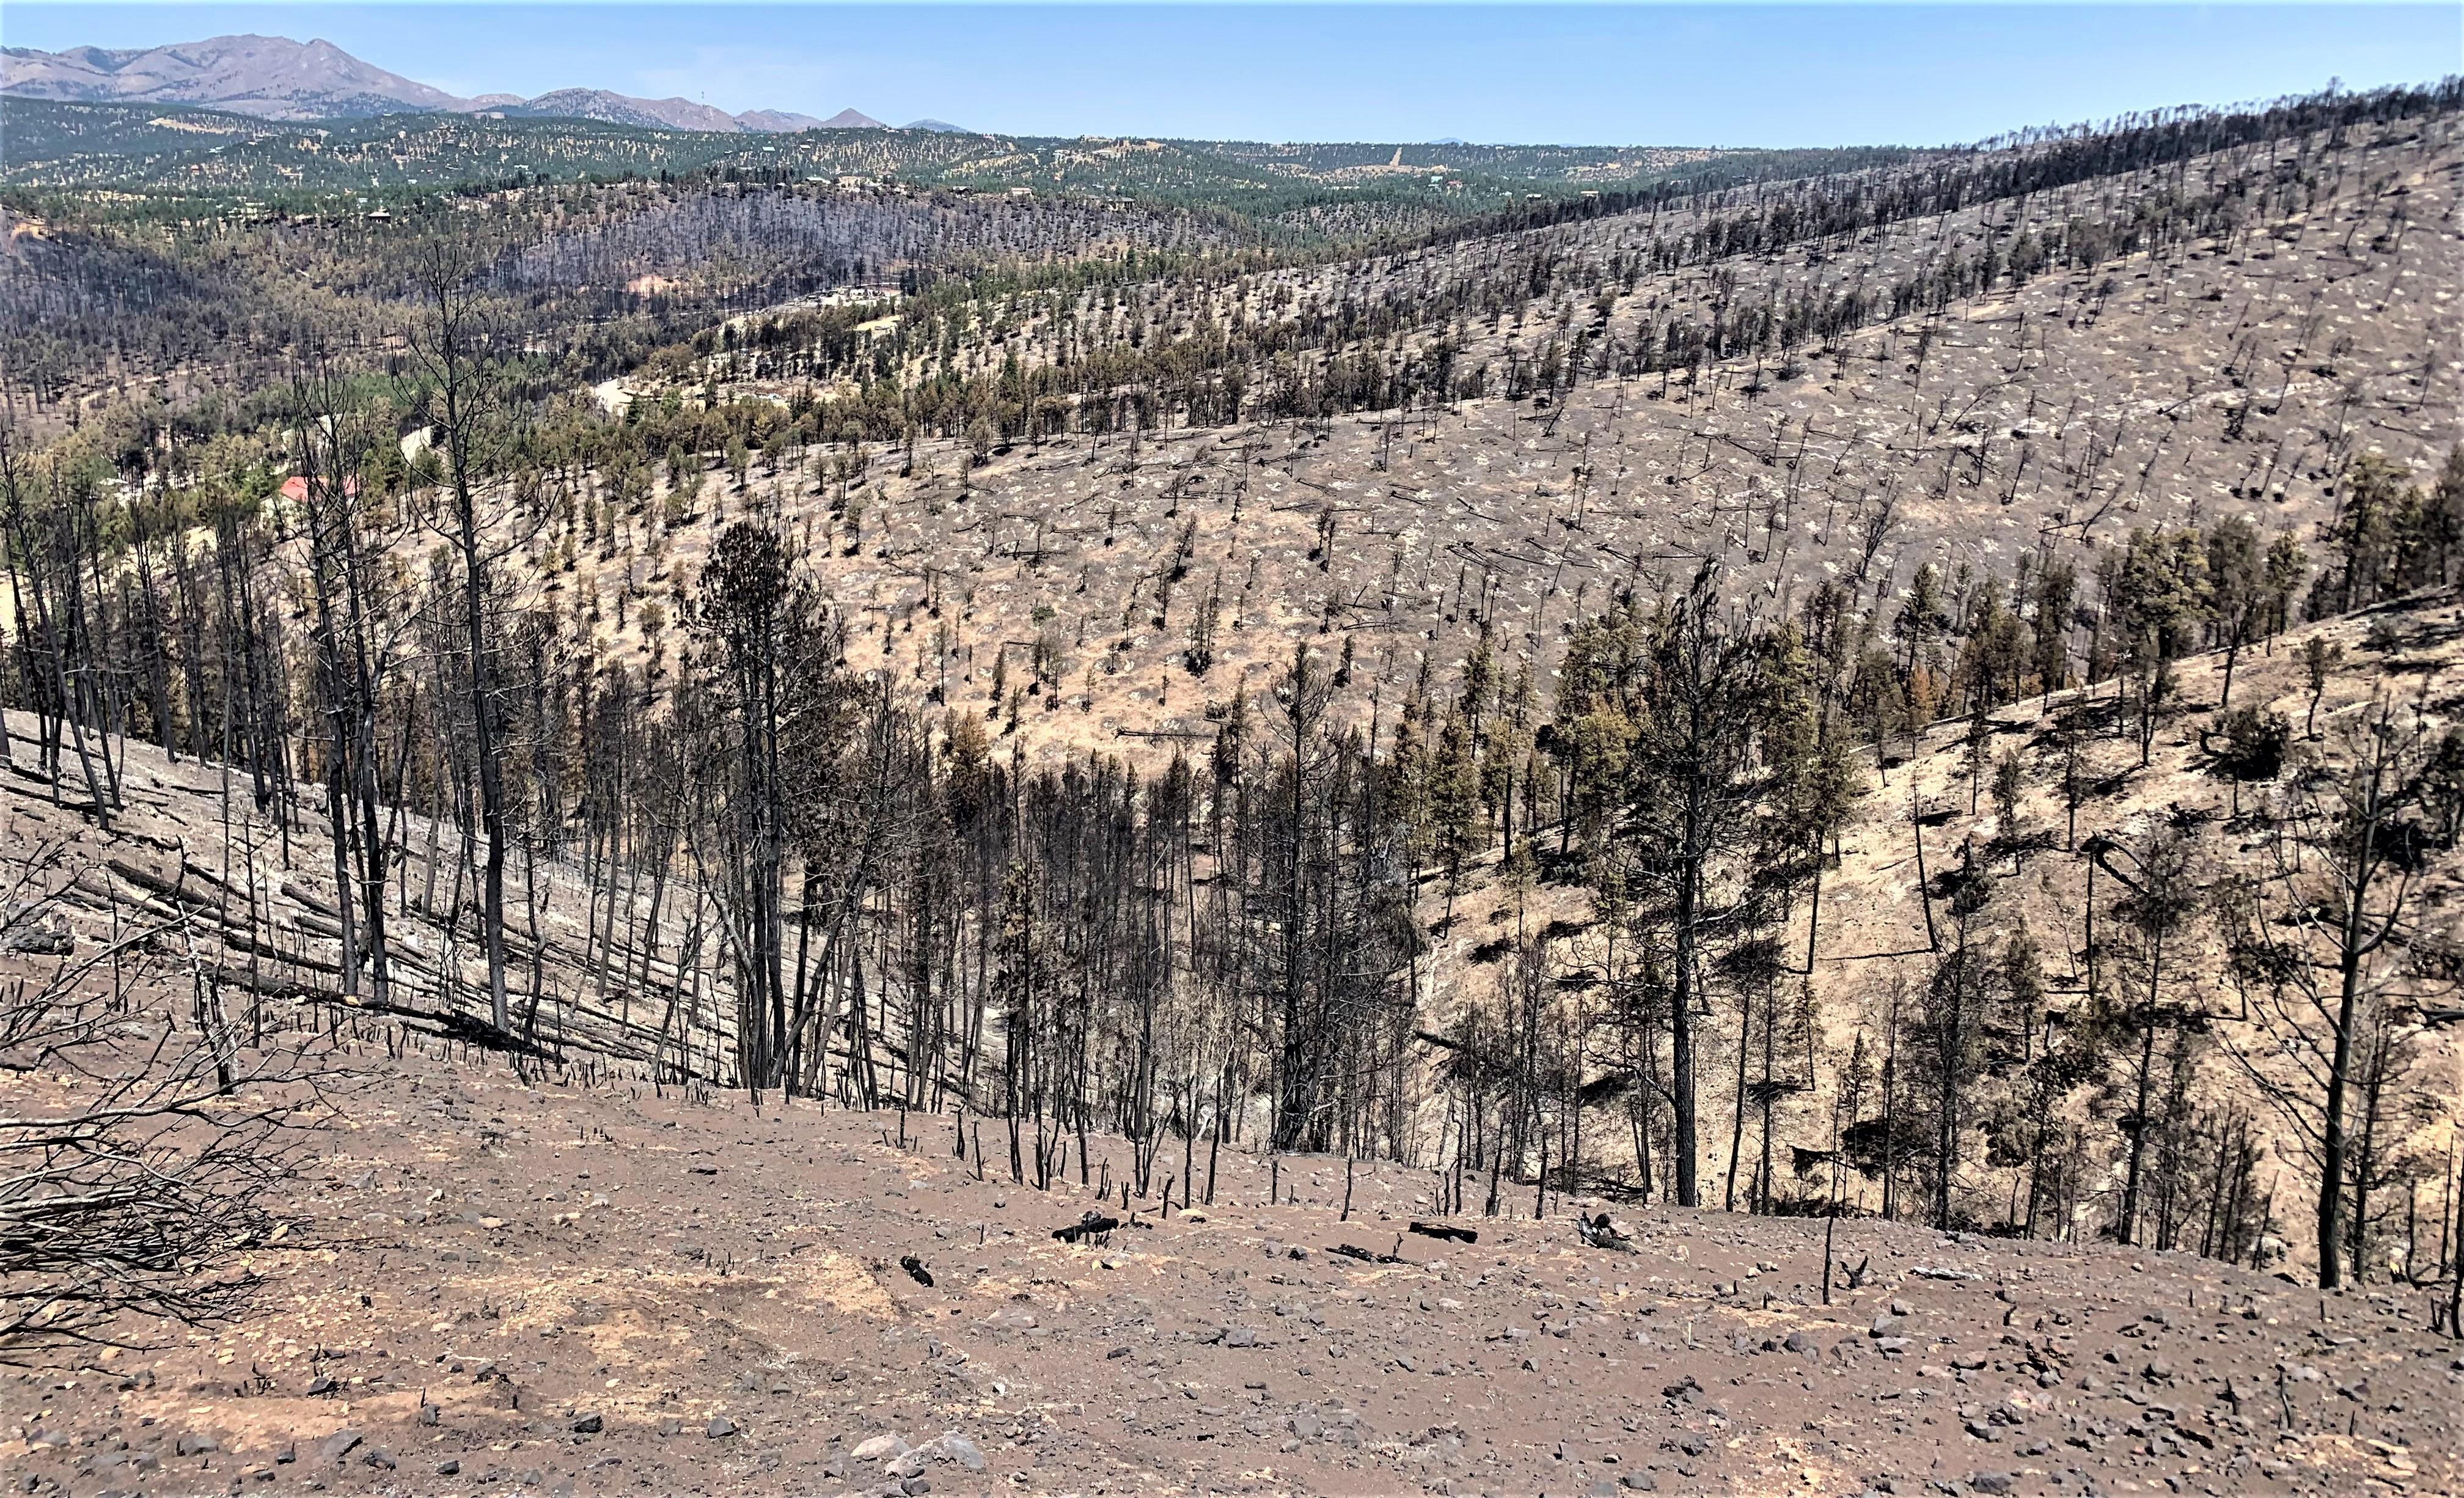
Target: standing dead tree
[
  {"x": 2320, "y": 925},
  {"x": 349, "y": 631},
  {"x": 455, "y": 347}
]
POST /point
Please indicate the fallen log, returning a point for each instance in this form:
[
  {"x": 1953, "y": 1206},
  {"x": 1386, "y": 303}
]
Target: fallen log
[{"x": 449, "y": 1024}]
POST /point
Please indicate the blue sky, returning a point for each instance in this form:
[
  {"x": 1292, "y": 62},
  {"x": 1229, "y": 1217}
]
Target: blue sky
[{"x": 1724, "y": 74}]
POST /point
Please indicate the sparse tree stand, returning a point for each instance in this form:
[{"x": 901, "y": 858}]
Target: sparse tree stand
[
  {"x": 1292, "y": 972},
  {"x": 466, "y": 400},
  {"x": 2378, "y": 788},
  {"x": 2162, "y": 898},
  {"x": 43, "y": 543},
  {"x": 2339, "y": 889},
  {"x": 350, "y": 665},
  {"x": 1692, "y": 799},
  {"x": 756, "y": 615}
]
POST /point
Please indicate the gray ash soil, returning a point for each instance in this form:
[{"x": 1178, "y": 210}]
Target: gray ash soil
[{"x": 491, "y": 1288}]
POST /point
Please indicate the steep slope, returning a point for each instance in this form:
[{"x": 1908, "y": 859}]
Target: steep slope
[
  {"x": 571, "y": 1276},
  {"x": 2147, "y": 389}
]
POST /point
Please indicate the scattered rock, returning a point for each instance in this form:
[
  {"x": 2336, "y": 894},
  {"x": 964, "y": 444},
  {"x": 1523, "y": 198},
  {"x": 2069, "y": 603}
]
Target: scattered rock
[
  {"x": 959, "y": 1449},
  {"x": 30, "y": 933}
]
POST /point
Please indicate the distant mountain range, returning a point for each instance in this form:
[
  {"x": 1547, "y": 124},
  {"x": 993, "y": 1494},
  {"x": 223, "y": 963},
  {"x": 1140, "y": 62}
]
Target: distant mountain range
[{"x": 275, "y": 78}]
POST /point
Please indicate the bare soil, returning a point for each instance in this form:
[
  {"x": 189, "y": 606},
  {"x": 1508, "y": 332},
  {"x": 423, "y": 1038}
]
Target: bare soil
[{"x": 495, "y": 1286}]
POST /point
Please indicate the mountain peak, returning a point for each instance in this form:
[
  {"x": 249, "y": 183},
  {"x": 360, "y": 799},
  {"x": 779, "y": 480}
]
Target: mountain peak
[
  {"x": 777, "y": 121},
  {"x": 650, "y": 114},
  {"x": 270, "y": 77},
  {"x": 275, "y": 78}
]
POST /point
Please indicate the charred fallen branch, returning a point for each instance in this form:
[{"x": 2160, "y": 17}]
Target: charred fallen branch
[
  {"x": 136, "y": 1155},
  {"x": 1093, "y": 1229}
]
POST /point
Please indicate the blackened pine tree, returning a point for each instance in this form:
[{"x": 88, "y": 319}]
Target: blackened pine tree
[
  {"x": 772, "y": 663},
  {"x": 1704, "y": 690}
]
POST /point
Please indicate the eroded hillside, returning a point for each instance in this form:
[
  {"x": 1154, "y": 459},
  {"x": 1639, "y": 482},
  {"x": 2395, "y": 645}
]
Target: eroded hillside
[
  {"x": 2205, "y": 374},
  {"x": 1908, "y": 706}
]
